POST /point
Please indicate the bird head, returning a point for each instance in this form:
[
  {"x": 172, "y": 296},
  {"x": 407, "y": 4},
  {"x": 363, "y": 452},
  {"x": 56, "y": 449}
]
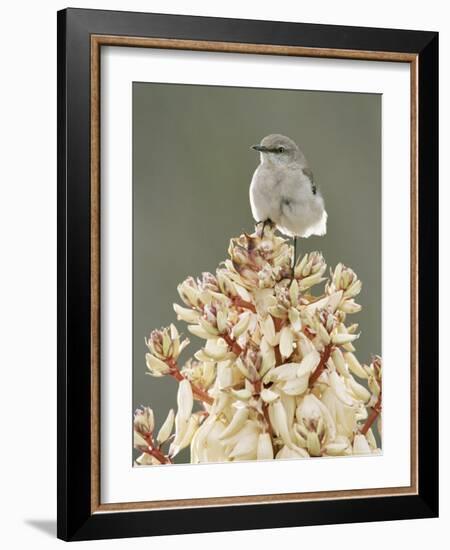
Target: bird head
[{"x": 279, "y": 149}]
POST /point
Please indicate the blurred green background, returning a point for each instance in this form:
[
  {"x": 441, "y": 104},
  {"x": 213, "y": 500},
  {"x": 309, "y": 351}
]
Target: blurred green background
[{"x": 192, "y": 167}]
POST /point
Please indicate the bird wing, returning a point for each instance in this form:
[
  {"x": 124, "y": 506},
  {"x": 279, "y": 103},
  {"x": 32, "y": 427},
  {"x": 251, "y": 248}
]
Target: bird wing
[{"x": 309, "y": 174}]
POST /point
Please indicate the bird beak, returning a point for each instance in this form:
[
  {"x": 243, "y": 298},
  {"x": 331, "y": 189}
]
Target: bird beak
[{"x": 260, "y": 148}]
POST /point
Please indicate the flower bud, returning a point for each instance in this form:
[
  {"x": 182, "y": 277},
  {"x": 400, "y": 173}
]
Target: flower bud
[
  {"x": 269, "y": 396},
  {"x": 310, "y": 264},
  {"x": 358, "y": 390},
  {"x": 354, "y": 365},
  {"x": 185, "y": 402},
  {"x": 336, "y": 449},
  {"x": 313, "y": 444},
  {"x": 286, "y": 342},
  {"x": 217, "y": 350},
  {"x": 185, "y": 399},
  {"x": 339, "y": 362},
  {"x": 286, "y": 453},
  {"x": 237, "y": 422},
  {"x": 343, "y": 338},
  {"x": 339, "y": 389},
  {"x": 166, "y": 428},
  {"x": 294, "y": 318},
  {"x": 156, "y": 367},
  {"x": 294, "y": 292},
  {"x": 279, "y": 312},
  {"x": 242, "y": 325},
  {"x": 268, "y": 328},
  {"x": 360, "y": 445},
  {"x": 138, "y": 441},
  {"x": 200, "y": 332},
  {"x": 310, "y": 281},
  {"x": 226, "y": 285},
  {"x": 246, "y": 444},
  {"x": 264, "y": 450},
  {"x": 189, "y": 292},
  {"x": 147, "y": 460},
  {"x": 191, "y": 428},
  {"x": 144, "y": 420},
  {"x": 280, "y": 422},
  {"x": 268, "y": 362},
  {"x": 345, "y": 279},
  {"x": 242, "y": 395},
  {"x": 350, "y": 306},
  {"x": 208, "y": 327},
  {"x": 323, "y": 334},
  {"x": 165, "y": 344},
  {"x": 374, "y": 386},
  {"x": 186, "y": 314},
  {"x": 221, "y": 319}
]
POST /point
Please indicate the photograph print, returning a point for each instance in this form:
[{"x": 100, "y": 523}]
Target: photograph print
[{"x": 256, "y": 274}]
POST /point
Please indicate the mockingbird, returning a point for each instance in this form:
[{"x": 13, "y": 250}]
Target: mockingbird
[{"x": 283, "y": 191}]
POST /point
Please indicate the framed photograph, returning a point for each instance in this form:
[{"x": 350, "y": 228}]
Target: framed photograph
[{"x": 247, "y": 254}]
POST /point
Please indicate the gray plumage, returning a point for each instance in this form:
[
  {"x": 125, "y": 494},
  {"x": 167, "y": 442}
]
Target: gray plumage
[{"x": 283, "y": 189}]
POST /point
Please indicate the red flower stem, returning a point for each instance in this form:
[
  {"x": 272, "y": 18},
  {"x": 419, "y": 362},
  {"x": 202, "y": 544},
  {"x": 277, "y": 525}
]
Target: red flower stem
[
  {"x": 155, "y": 451},
  {"x": 321, "y": 366},
  {"x": 198, "y": 393},
  {"x": 308, "y": 333},
  {"x": 278, "y": 323},
  {"x": 201, "y": 395},
  {"x": 235, "y": 347},
  {"x": 267, "y": 419},
  {"x": 376, "y": 410},
  {"x": 239, "y": 302},
  {"x": 278, "y": 358}
]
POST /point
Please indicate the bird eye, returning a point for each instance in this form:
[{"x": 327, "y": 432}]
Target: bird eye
[{"x": 281, "y": 149}]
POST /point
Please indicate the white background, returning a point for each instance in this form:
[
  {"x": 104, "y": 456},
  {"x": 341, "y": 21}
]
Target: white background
[
  {"x": 119, "y": 481},
  {"x": 28, "y": 274}
]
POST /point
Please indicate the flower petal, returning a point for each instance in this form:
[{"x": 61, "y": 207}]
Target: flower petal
[
  {"x": 166, "y": 428},
  {"x": 360, "y": 445},
  {"x": 269, "y": 396},
  {"x": 286, "y": 342},
  {"x": 156, "y": 366},
  {"x": 264, "y": 449},
  {"x": 185, "y": 399},
  {"x": 354, "y": 365},
  {"x": 237, "y": 422}
]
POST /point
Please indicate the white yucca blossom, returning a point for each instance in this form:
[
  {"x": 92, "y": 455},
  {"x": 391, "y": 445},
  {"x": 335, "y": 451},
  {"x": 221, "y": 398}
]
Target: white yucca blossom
[{"x": 277, "y": 375}]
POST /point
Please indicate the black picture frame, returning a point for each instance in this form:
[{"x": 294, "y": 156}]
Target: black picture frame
[{"x": 76, "y": 520}]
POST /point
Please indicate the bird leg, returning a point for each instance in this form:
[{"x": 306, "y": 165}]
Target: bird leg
[
  {"x": 264, "y": 223},
  {"x": 257, "y": 228},
  {"x": 294, "y": 259}
]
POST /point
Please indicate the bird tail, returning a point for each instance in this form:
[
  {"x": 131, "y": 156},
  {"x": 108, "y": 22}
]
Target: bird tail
[{"x": 320, "y": 228}]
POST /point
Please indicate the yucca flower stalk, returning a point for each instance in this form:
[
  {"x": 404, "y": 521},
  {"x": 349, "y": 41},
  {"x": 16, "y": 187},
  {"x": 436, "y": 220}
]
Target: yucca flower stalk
[{"x": 277, "y": 376}]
